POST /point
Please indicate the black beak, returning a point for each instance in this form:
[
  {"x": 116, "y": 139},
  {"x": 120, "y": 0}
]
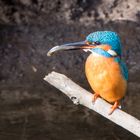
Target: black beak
[{"x": 70, "y": 46}]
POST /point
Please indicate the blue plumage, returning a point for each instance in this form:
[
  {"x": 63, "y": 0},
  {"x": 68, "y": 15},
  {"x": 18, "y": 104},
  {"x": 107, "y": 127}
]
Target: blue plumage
[
  {"x": 101, "y": 52},
  {"x": 124, "y": 70},
  {"x": 123, "y": 67},
  {"x": 106, "y": 37}
]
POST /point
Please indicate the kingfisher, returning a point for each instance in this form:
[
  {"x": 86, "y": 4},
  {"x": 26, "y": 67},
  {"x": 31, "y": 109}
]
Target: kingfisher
[{"x": 105, "y": 70}]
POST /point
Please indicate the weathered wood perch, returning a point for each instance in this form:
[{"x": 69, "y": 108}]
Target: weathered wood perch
[{"x": 80, "y": 96}]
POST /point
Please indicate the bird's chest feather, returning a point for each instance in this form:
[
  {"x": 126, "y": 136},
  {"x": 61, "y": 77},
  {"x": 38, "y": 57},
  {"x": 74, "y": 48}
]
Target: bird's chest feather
[{"x": 104, "y": 76}]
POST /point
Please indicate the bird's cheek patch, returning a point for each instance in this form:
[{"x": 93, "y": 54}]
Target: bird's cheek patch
[{"x": 105, "y": 47}]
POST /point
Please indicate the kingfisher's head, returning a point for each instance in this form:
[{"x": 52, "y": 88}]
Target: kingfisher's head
[{"x": 106, "y": 43}]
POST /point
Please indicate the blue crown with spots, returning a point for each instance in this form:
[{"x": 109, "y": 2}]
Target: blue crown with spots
[{"x": 106, "y": 37}]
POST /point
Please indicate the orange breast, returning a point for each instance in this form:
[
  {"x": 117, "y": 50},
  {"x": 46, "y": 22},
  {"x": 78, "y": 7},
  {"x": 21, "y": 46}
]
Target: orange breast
[{"x": 105, "y": 78}]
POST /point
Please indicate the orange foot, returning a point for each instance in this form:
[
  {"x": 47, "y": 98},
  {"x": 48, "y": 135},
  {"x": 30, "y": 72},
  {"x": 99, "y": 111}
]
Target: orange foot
[
  {"x": 95, "y": 96},
  {"x": 116, "y": 105}
]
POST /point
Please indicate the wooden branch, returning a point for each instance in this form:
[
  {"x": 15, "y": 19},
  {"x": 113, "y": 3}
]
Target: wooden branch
[{"x": 80, "y": 96}]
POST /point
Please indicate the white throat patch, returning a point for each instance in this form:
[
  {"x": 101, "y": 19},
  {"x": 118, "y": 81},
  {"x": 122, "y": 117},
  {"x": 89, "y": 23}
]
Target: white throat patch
[
  {"x": 86, "y": 50},
  {"x": 112, "y": 52}
]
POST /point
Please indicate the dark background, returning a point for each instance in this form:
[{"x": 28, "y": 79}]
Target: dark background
[{"x": 31, "y": 109}]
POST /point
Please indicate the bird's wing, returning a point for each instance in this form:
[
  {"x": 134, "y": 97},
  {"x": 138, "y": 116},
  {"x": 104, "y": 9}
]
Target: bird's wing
[
  {"x": 123, "y": 67},
  {"x": 124, "y": 70}
]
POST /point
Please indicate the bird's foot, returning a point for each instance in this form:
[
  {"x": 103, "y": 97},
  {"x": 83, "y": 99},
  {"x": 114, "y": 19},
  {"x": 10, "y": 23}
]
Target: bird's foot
[
  {"x": 95, "y": 96},
  {"x": 116, "y": 105}
]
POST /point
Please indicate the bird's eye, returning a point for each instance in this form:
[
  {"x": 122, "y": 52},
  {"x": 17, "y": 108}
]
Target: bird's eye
[{"x": 96, "y": 43}]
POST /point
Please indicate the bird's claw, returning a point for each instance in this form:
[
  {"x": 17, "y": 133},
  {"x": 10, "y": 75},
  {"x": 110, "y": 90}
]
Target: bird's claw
[
  {"x": 116, "y": 105},
  {"x": 95, "y": 96}
]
